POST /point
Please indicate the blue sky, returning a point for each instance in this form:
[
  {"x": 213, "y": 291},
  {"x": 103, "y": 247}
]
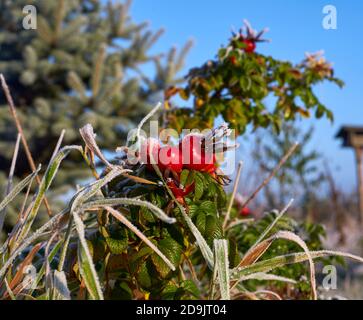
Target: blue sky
[{"x": 295, "y": 27}]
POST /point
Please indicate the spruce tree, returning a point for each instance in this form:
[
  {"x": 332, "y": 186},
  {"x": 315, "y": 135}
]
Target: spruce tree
[{"x": 82, "y": 64}]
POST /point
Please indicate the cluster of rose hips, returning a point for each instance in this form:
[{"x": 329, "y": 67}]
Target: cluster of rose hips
[{"x": 191, "y": 153}]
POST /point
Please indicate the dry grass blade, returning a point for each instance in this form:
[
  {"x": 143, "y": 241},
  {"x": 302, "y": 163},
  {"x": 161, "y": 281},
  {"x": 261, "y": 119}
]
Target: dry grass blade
[
  {"x": 272, "y": 174},
  {"x": 67, "y": 238},
  {"x": 245, "y": 295},
  {"x": 50, "y": 258},
  {"x": 49, "y": 279},
  {"x": 18, "y": 188},
  {"x": 258, "y": 250},
  {"x": 139, "y": 179},
  {"x": 269, "y": 228},
  {"x": 252, "y": 255},
  {"x": 268, "y": 265},
  {"x": 268, "y": 293},
  {"x": 20, "y": 130},
  {"x": 60, "y": 290},
  {"x": 255, "y": 252},
  {"x": 35, "y": 236},
  {"x": 221, "y": 264},
  {"x": 10, "y": 179},
  {"x": 133, "y": 202},
  {"x": 266, "y": 277},
  {"x": 293, "y": 237},
  {"x": 9, "y": 291},
  {"x": 91, "y": 189},
  {"x": 85, "y": 261},
  {"x": 146, "y": 118},
  {"x": 226, "y": 218},
  {"x": 58, "y": 145},
  {"x": 44, "y": 186},
  {"x": 129, "y": 225},
  {"x": 280, "y": 261},
  {"x": 27, "y": 261},
  {"x": 238, "y": 222},
  {"x": 13, "y": 163},
  {"x": 202, "y": 243}
]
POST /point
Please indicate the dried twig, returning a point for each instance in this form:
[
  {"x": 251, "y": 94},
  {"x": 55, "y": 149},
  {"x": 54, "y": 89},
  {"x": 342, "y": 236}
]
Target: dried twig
[
  {"x": 226, "y": 218},
  {"x": 272, "y": 174},
  {"x": 20, "y": 130},
  {"x": 10, "y": 179}
]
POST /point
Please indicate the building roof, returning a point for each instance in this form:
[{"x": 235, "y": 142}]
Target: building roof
[{"x": 345, "y": 131}]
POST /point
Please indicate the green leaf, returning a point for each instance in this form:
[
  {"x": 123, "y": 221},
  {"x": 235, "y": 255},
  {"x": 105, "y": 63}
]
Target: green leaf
[
  {"x": 200, "y": 220},
  {"x": 147, "y": 215},
  {"x": 319, "y": 111},
  {"x": 193, "y": 209},
  {"x": 117, "y": 246},
  {"x": 213, "y": 228},
  {"x": 169, "y": 291},
  {"x": 199, "y": 187},
  {"x": 190, "y": 287},
  {"x": 186, "y": 289},
  {"x": 144, "y": 275},
  {"x": 245, "y": 83},
  {"x": 233, "y": 255},
  {"x": 183, "y": 176},
  {"x": 208, "y": 207},
  {"x": 141, "y": 254},
  {"x": 85, "y": 261},
  {"x": 172, "y": 250}
]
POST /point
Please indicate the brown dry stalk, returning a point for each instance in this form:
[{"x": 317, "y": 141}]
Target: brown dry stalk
[
  {"x": 20, "y": 131},
  {"x": 226, "y": 218},
  {"x": 272, "y": 174},
  {"x": 26, "y": 262}
]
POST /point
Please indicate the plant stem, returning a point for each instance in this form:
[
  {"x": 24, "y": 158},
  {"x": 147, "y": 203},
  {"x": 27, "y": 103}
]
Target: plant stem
[
  {"x": 272, "y": 174},
  {"x": 20, "y": 130},
  {"x": 226, "y": 218}
]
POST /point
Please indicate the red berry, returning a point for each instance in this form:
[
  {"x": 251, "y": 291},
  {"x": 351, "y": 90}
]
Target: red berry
[
  {"x": 250, "y": 45},
  {"x": 170, "y": 158},
  {"x": 245, "y": 211},
  {"x": 195, "y": 156}
]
